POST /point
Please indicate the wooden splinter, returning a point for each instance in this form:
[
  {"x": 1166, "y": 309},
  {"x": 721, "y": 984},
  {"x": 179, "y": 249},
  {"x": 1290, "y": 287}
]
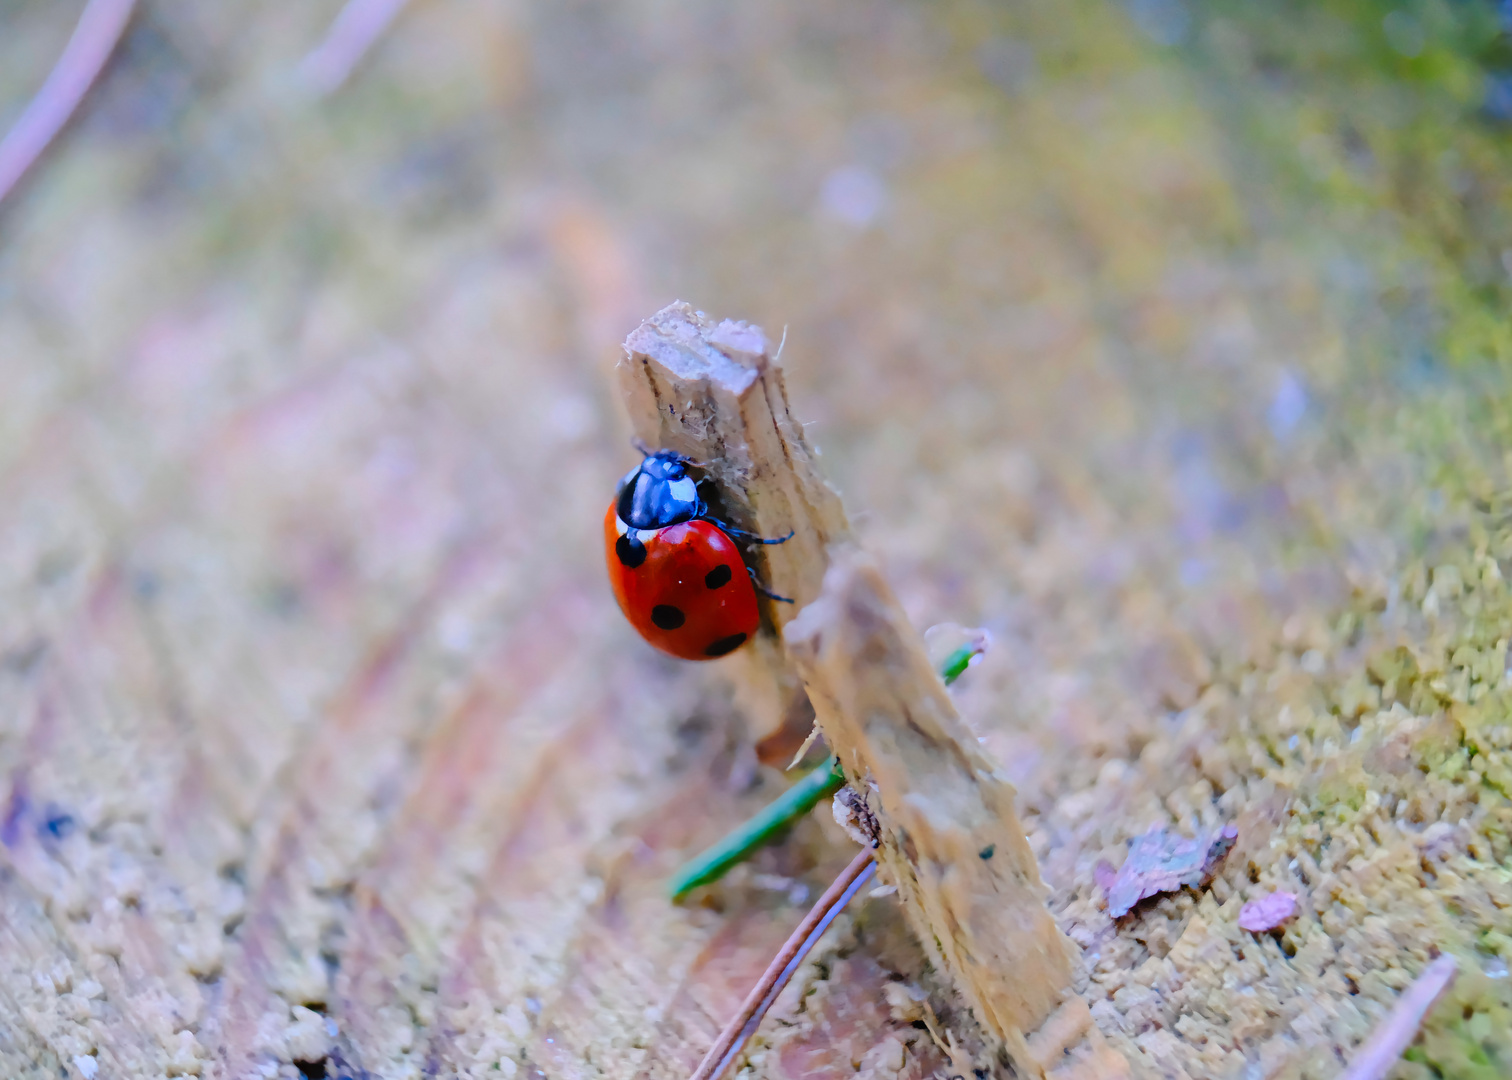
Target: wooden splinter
[{"x": 951, "y": 838}]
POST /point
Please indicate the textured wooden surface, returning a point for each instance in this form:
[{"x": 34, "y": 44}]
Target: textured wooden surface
[{"x": 1164, "y": 341}]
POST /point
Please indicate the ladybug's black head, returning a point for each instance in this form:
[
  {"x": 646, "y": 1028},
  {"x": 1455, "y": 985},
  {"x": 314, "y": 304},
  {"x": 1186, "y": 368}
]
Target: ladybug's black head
[{"x": 658, "y": 492}]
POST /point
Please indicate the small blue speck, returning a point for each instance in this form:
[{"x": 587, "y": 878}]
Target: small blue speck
[
  {"x": 1194, "y": 572},
  {"x": 1498, "y": 100},
  {"x": 1165, "y": 22},
  {"x": 1287, "y": 407}
]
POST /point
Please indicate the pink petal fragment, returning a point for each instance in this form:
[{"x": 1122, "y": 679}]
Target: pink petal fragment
[{"x": 1268, "y": 912}]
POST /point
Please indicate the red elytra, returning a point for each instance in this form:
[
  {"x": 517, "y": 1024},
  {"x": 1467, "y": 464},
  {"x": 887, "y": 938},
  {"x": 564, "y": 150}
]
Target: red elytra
[
  {"x": 678, "y": 576},
  {"x": 689, "y": 595}
]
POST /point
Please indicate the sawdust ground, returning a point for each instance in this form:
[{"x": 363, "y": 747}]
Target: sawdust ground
[{"x": 1174, "y": 361}]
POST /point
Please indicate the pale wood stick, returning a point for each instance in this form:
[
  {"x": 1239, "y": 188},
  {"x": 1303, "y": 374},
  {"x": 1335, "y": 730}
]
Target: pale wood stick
[
  {"x": 1384, "y": 1047},
  {"x": 94, "y": 38},
  {"x": 357, "y": 27},
  {"x": 744, "y": 1024},
  {"x": 951, "y": 839}
]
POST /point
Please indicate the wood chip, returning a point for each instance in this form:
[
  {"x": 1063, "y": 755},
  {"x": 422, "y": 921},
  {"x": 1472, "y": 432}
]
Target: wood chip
[{"x": 1163, "y": 861}]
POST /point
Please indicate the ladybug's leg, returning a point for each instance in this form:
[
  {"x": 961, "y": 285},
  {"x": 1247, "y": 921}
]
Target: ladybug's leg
[
  {"x": 759, "y": 540},
  {"x": 752, "y": 537},
  {"x": 762, "y": 589}
]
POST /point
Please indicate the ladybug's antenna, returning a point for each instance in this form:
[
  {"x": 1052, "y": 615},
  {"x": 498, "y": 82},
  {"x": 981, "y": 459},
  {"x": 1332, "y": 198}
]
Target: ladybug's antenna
[{"x": 646, "y": 451}]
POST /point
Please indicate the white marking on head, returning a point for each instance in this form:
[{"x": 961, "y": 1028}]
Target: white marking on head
[{"x": 684, "y": 490}]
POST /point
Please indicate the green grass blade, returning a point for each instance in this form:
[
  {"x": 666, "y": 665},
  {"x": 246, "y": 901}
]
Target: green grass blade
[
  {"x": 792, "y": 804},
  {"x": 957, "y": 662}
]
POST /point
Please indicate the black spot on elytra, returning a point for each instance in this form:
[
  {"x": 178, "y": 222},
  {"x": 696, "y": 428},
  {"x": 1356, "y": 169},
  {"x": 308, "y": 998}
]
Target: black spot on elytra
[
  {"x": 630, "y": 550},
  {"x": 718, "y": 576},
  {"x": 725, "y": 645},
  {"x": 668, "y": 617}
]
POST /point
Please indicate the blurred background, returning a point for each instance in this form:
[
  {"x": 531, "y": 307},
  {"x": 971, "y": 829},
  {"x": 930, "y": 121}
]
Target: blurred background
[{"x": 1161, "y": 339}]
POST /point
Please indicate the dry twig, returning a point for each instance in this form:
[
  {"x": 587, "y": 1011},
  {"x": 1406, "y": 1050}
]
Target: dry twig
[
  {"x": 94, "y": 38},
  {"x": 783, "y": 965},
  {"x": 1385, "y": 1045},
  {"x": 357, "y": 26}
]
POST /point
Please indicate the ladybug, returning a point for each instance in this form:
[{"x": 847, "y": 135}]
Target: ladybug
[{"x": 677, "y": 572}]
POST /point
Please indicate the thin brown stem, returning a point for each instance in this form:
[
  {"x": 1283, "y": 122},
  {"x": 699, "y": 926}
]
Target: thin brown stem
[
  {"x": 1401, "y": 1025},
  {"x": 733, "y": 1038},
  {"x": 94, "y": 38}
]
